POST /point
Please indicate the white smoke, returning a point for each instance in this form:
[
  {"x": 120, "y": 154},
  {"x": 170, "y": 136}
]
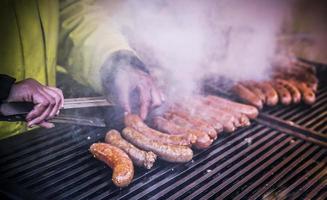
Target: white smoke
[{"x": 184, "y": 41}]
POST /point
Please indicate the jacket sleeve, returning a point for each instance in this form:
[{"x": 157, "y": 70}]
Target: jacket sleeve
[
  {"x": 6, "y": 83},
  {"x": 88, "y": 38}
]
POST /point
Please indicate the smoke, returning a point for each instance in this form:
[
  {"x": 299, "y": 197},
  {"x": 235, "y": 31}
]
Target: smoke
[{"x": 184, "y": 41}]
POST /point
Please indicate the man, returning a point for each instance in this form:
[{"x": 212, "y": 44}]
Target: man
[{"x": 90, "y": 49}]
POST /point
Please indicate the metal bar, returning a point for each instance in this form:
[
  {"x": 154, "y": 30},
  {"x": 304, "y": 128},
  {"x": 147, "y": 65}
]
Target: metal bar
[
  {"x": 210, "y": 184},
  {"x": 297, "y": 114},
  {"x": 287, "y": 172},
  {"x": 309, "y": 184},
  {"x": 215, "y": 153},
  {"x": 79, "y": 120},
  {"x": 250, "y": 162},
  {"x": 86, "y": 102},
  {"x": 23, "y": 159},
  {"x": 291, "y": 187},
  {"x": 294, "y": 130},
  {"x": 20, "y": 151},
  {"x": 192, "y": 173},
  {"x": 261, "y": 168}
]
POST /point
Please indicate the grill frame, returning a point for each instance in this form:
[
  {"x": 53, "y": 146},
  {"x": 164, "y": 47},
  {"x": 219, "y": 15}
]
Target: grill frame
[{"x": 264, "y": 160}]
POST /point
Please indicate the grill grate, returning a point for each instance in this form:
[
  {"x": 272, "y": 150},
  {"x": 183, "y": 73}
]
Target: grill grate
[
  {"x": 251, "y": 163},
  {"x": 257, "y": 162}
]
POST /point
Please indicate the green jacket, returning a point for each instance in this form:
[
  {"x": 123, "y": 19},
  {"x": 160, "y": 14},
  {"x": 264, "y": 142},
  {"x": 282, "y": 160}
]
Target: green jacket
[{"x": 37, "y": 35}]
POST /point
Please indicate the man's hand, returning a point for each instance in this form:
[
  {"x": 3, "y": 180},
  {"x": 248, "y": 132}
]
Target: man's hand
[
  {"x": 129, "y": 79},
  {"x": 47, "y": 100}
]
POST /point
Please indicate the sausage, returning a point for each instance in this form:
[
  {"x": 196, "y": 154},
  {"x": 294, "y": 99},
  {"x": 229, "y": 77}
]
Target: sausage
[
  {"x": 221, "y": 115},
  {"x": 246, "y": 95},
  {"x": 250, "y": 111},
  {"x": 171, "y": 153},
  {"x": 136, "y": 123},
  {"x": 284, "y": 95},
  {"x": 308, "y": 95},
  {"x": 251, "y": 85},
  {"x": 139, "y": 157},
  {"x": 212, "y": 117},
  {"x": 243, "y": 120},
  {"x": 184, "y": 113},
  {"x": 192, "y": 123},
  {"x": 269, "y": 92},
  {"x": 118, "y": 160},
  {"x": 295, "y": 92},
  {"x": 203, "y": 141}
]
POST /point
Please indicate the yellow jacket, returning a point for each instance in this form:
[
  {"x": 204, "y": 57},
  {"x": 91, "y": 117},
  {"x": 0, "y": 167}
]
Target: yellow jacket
[{"x": 36, "y": 35}]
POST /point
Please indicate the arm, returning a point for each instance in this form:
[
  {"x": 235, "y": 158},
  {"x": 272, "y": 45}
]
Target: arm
[{"x": 98, "y": 55}]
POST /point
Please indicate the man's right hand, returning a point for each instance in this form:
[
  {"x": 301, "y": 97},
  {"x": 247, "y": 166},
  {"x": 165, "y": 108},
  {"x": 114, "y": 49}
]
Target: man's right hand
[{"x": 47, "y": 100}]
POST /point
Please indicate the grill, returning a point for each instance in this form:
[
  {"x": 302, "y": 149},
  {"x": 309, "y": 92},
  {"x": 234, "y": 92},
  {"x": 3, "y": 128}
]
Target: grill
[{"x": 268, "y": 160}]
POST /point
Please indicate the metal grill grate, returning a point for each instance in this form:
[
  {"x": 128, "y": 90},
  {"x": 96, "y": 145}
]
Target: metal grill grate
[
  {"x": 252, "y": 162},
  {"x": 312, "y": 117},
  {"x": 257, "y": 162}
]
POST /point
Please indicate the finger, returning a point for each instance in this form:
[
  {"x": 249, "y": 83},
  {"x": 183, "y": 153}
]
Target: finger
[
  {"x": 37, "y": 111},
  {"x": 47, "y": 101},
  {"x": 144, "y": 101},
  {"x": 45, "y": 124},
  {"x": 41, "y": 118},
  {"x": 59, "y": 91},
  {"x": 162, "y": 96},
  {"x": 42, "y": 101},
  {"x": 155, "y": 97},
  {"x": 123, "y": 98},
  {"x": 54, "y": 94}
]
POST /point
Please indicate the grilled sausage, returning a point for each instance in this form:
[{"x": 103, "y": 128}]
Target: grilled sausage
[
  {"x": 202, "y": 139},
  {"x": 191, "y": 123},
  {"x": 136, "y": 123},
  {"x": 213, "y": 117},
  {"x": 171, "y": 153},
  {"x": 118, "y": 160},
  {"x": 247, "y": 95},
  {"x": 308, "y": 95},
  {"x": 195, "y": 119},
  {"x": 139, "y": 157},
  {"x": 295, "y": 92},
  {"x": 269, "y": 92},
  {"x": 284, "y": 95},
  {"x": 243, "y": 120},
  {"x": 251, "y": 85},
  {"x": 247, "y": 110}
]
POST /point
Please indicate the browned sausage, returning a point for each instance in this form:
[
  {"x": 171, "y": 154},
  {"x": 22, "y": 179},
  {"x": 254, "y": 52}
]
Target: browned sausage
[
  {"x": 284, "y": 95},
  {"x": 212, "y": 116},
  {"x": 243, "y": 120},
  {"x": 247, "y": 95},
  {"x": 195, "y": 119},
  {"x": 171, "y": 153},
  {"x": 139, "y": 157},
  {"x": 118, "y": 160},
  {"x": 192, "y": 123},
  {"x": 226, "y": 118},
  {"x": 247, "y": 110},
  {"x": 308, "y": 95},
  {"x": 251, "y": 85},
  {"x": 295, "y": 92},
  {"x": 136, "y": 123},
  {"x": 269, "y": 92},
  {"x": 202, "y": 139}
]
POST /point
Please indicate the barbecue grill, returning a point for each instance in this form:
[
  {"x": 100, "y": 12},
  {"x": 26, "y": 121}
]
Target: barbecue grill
[{"x": 281, "y": 155}]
